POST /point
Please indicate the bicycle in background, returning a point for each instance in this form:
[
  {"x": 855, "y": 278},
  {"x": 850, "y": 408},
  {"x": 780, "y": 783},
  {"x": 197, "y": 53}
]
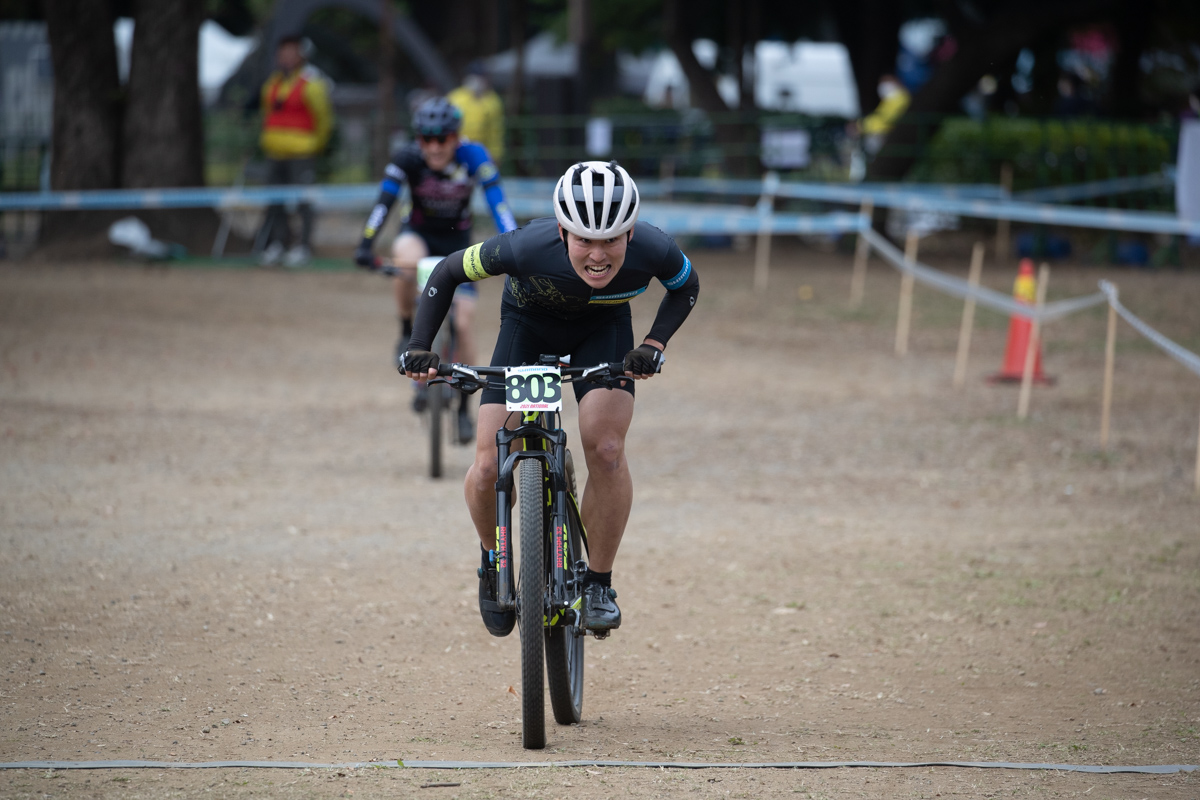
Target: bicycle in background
[{"x": 434, "y": 401}]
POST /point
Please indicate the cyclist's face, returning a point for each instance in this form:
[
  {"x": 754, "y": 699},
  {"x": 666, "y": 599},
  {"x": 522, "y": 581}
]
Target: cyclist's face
[
  {"x": 596, "y": 261},
  {"x": 438, "y": 150}
]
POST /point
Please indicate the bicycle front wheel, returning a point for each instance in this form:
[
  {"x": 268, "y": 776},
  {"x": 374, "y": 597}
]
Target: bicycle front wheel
[
  {"x": 564, "y": 650},
  {"x": 531, "y": 593}
]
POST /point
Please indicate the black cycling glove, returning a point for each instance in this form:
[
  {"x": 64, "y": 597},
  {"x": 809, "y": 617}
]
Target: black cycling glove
[
  {"x": 363, "y": 256},
  {"x": 418, "y": 361},
  {"x": 645, "y": 359}
]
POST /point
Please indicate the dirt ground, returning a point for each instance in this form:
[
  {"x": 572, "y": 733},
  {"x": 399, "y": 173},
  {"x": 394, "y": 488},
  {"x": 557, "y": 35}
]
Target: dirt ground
[{"x": 218, "y": 542}]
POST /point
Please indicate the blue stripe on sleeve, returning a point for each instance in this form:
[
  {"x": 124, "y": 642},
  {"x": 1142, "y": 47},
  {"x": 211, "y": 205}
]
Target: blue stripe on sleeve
[
  {"x": 682, "y": 277},
  {"x": 389, "y": 186}
]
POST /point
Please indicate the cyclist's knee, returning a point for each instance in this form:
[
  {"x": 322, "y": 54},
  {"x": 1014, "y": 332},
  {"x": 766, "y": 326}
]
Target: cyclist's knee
[
  {"x": 483, "y": 471},
  {"x": 605, "y": 452}
]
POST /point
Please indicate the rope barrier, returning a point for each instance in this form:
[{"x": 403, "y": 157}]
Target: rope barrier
[
  {"x": 1175, "y": 351},
  {"x": 960, "y": 288},
  {"x": 1152, "y": 769}
]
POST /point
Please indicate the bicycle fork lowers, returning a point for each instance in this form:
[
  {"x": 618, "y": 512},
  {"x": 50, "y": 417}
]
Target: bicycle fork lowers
[{"x": 536, "y": 438}]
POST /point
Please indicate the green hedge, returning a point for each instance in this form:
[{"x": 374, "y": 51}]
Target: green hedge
[{"x": 1044, "y": 152}]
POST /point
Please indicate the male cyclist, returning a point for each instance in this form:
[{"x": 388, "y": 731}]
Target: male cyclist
[
  {"x": 568, "y": 288},
  {"x": 440, "y": 169}
]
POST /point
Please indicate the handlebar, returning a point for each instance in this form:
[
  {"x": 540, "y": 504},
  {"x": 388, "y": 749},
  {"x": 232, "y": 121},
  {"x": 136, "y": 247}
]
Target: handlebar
[
  {"x": 470, "y": 379},
  {"x": 384, "y": 267}
]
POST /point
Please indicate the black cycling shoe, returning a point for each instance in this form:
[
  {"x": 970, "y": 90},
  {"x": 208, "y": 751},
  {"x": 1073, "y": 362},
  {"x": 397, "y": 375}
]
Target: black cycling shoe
[
  {"x": 497, "y": 621},
  {"x": 600, "y": 612},
  {"x": 466, "y": 428}
]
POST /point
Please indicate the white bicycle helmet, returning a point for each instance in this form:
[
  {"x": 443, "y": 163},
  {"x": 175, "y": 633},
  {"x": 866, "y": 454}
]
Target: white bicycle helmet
[{"x": 596, "y": 200}]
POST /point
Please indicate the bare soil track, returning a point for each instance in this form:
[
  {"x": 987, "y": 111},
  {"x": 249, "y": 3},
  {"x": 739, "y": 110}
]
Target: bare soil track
[{"x": 217, "y": 541}]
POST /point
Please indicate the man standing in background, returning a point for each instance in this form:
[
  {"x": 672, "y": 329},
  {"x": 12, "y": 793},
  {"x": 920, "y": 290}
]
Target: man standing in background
[
  {"x": 483, "y": 113},
  {"x": 297, "y": 122}
]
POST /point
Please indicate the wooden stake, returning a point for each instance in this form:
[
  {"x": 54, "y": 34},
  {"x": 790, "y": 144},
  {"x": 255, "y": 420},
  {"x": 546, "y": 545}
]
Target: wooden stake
[
  {"x": 1035, "y": 341},
  {"x": 968, "y": 318},
  {"x": 1002, "y": 232},
  {"x": 1110, "y": 351},
  {"x": 862, "y": 252},
  {"x": 904, "y": 317},
  {"x": 762, "y": 255},
  {"x": 1198, "y": 465}
]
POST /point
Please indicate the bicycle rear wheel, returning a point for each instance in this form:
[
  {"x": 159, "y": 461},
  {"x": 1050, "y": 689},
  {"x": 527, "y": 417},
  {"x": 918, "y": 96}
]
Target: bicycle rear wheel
[
  {"x": 531, "y": 593},
  {"x": 437, "y": 407},
  {"x": 564, "y": 650}
]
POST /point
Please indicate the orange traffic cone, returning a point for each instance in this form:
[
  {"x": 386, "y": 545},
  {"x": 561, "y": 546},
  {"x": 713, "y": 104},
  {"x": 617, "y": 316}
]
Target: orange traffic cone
[{"x": 1019, "y": 328}]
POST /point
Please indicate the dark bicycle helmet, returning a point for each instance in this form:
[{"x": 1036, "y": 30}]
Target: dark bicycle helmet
[{"x": 437, "y": 117}]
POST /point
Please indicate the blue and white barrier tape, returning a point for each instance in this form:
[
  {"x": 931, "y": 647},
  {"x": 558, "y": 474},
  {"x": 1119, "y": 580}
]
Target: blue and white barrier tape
[
  {"x": 524, "y": 205},
  {"x": 351, "y": 195},
  {"x": 1093, "y": 189},
  {"x": 1039, "y": 213}
]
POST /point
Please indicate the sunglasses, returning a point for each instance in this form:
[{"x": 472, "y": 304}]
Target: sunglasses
[{"x": 440, "y": 138}]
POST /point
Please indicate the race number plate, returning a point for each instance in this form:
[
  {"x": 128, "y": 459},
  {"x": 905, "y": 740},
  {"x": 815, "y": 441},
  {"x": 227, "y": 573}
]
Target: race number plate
[{"x": 534, "y": 388}]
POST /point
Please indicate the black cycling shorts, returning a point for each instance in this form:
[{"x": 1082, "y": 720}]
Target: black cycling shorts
[
  {"x": 443, "y": 243},
  {"x": 524, "y": 337}
]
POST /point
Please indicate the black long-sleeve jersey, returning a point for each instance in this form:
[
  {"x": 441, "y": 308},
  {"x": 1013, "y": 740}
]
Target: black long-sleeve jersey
[{"x": 542, "y": 282}]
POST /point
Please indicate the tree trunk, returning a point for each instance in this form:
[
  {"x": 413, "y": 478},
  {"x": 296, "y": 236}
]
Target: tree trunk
[
  {"x": 870, "y": 30},
  {"x": 164, "y": 129},
  {"x": 981, "y": 47},
  {"x": 87, "y": 94},
  {"x": 85, "y": 148},
  {"x": 515, "y": 101},
  {"x": 164, "y": 124},
  {"x": 1125, "y": 90},
  {"x": 702, "y": 88}
]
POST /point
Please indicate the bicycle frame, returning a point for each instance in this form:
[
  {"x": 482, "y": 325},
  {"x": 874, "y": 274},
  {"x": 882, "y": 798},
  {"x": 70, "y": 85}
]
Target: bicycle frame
[{"x": 548, "y": 445}]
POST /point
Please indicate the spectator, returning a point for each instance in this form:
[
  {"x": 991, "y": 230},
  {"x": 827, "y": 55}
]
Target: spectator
[
  {"x": 483, "y": 113},
  {"x": 893, "y": 102},
  {"x": 297, "y": 122}
]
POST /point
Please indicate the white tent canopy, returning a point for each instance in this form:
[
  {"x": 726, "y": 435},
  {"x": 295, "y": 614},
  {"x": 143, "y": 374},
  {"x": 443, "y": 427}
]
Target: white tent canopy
[{"x": 221, "y": 53}]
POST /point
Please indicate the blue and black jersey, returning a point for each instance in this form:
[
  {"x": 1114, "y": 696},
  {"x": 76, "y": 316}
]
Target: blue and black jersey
[
  {"x": 440, "y": 199},
  {"x": 542, "y": 283}
]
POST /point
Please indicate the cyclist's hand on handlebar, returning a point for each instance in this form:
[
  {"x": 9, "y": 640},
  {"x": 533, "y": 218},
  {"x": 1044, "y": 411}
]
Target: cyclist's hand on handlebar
[
  {"x": 643, "y": 361},
  {"x": 364, "y": 258},
  {"x": 420, "y": 365}
]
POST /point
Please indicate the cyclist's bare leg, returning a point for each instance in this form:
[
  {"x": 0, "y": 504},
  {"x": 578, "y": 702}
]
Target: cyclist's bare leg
[
  {"x": 480, "y": 486},
  {"x": 407, "y": 250},
  {"x": 604, "y": 418}
]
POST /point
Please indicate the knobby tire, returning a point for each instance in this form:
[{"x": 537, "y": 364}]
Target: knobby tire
[
  {"x": 531, "y": 497},
  {"x": 564, "y": 650}
]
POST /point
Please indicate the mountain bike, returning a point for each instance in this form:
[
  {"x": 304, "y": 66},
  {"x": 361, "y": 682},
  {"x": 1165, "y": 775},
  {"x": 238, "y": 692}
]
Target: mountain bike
[
  {"x": 437, "y": 400},
  {"x": 548, "y": 591}
]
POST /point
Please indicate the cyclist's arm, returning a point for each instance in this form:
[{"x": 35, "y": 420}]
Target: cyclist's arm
[
  {"x": 389, "y": 189},
  {"x": 683, "y": 287},
  {"x": 483, "y": 169},
  {"x": 457, "y": 268}
]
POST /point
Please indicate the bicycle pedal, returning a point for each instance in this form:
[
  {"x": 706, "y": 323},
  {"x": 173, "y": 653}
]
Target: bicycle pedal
[
  {"x": 599, "y": 634},
  {"x": 479, "y": 571},
  {"x": 612, "y": 593}
]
